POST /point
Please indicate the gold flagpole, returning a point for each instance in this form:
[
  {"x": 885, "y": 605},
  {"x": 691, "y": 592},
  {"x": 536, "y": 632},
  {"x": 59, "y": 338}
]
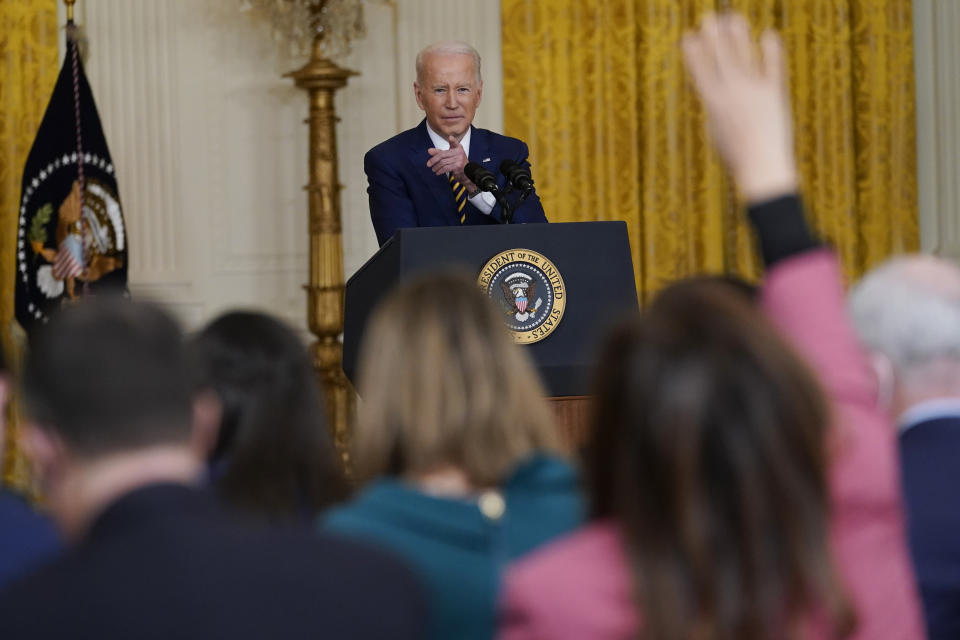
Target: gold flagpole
[
  {"x": 69, "y": 4},
  {"x": 321, "y": 78}
]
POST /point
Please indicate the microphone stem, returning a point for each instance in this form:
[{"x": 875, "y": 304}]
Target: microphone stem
[{"x": 507, "y": 211}]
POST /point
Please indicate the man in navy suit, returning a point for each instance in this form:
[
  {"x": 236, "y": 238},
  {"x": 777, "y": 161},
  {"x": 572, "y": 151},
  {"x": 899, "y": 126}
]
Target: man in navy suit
[
  {"x": 27, "y": 538},
  {"x": 907, "y": 312},
  {"x": 119, "y": 441},
  {"x": 416, "y": 178}
]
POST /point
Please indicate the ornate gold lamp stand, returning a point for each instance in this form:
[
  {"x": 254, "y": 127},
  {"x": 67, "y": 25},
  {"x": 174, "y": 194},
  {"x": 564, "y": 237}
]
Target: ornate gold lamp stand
[{"x": 321, "y": 78}]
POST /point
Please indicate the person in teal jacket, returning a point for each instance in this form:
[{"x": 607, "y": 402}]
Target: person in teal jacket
[{"x": 458, "y": 450}]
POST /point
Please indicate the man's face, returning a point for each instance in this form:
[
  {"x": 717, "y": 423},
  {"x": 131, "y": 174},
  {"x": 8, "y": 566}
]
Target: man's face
[{"x": 449, "y": 93}]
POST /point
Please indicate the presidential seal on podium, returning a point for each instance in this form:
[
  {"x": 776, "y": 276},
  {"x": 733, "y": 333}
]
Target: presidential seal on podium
[{"x": 528, "y": 289}]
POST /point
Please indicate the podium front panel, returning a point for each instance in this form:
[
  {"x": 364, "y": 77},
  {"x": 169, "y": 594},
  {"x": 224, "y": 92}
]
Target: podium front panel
[{"x": 593, "y": 259}]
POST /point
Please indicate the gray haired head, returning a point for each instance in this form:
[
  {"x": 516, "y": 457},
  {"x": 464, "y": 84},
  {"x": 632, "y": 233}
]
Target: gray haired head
[
  {"x": 908, "y": 309},
  {"x": 449, "y": 48}
]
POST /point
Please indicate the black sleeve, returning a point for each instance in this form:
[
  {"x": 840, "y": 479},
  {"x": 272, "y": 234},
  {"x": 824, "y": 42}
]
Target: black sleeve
[{"x": 781, "y": 228}]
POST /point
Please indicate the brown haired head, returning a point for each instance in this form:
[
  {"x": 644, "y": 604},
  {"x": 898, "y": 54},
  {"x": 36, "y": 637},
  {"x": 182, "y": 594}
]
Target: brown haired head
[
  {"x": 442, "y": 385},
  {"x": 274, "y": 456},
  {"x": 709, "y": 451}
]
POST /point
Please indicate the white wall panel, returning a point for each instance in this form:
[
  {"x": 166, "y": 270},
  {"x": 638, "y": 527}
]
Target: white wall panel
[
  {"x": 367, "y": 108},
  {"x": 937, "y": 56},
  {"x": 133, "y": 61}
]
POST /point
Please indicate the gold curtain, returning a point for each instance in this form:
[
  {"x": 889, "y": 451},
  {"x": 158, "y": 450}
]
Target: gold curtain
[
  {"x": 597, "y": 89},
  {"x": 30, "y": 62}
]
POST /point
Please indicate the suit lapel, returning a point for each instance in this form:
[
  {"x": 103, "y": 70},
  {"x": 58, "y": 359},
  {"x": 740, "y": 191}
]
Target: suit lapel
[
  {"x": 480, "y": 150},
  {"x": 482, "y": 154},
  {"x": 436, "y": 185}
]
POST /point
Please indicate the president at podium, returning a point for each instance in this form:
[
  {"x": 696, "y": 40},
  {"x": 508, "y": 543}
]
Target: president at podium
[{"x": 418, "y": 178}]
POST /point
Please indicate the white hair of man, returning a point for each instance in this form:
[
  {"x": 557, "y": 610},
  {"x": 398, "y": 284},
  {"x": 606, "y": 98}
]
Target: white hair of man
[
  {"x": 908, "y": 309},
  {"x": 449, "y": 48}
]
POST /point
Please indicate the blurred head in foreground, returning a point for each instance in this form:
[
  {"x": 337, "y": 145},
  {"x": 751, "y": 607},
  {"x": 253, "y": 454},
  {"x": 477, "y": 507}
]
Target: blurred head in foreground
[
  {"x": 907, "y": 313},
  {"x": 444, "y": 387},
  {"x": 709, "y": 451},
  {"x": 273, "y": 455},
  {"x": 108, "y": 396}
]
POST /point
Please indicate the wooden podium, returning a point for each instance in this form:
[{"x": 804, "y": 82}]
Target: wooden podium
[
  {"x": 592, "y": 260},
  {"x": 573, "y": 415}
]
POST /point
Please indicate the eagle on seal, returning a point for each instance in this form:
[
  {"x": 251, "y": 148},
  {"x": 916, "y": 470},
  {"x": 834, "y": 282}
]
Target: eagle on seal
[{"x": 516, "y": 299}]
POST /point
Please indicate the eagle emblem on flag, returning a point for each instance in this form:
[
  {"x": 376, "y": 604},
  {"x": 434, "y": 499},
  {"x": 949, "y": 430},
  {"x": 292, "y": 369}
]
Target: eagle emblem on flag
[{"x": 71, "y": 237}]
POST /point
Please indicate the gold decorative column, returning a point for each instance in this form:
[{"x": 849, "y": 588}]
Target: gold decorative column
[{"x": 321, "y": 78}]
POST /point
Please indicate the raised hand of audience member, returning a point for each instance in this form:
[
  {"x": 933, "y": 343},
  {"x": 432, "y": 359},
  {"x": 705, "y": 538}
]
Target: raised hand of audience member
[
  {"x": 744, "y": 93},
  {"x": 745, "y": 99}
]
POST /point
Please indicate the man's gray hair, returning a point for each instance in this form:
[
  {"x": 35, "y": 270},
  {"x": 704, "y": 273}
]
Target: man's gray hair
[
  {"x": 908, "y": 309},
  {"x": 450, "y": 48}
]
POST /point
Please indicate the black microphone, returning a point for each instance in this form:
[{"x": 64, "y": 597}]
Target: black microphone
[
  {"x": 479, "y": 176},
  {"x": 516, "y": 175}
]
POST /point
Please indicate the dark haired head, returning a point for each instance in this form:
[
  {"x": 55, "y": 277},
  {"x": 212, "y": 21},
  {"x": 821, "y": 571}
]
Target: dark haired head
[
  {"x": 709, "y": 451},
  {"x": 274, "y": 455},
  {"x": 109, "y": 375}
]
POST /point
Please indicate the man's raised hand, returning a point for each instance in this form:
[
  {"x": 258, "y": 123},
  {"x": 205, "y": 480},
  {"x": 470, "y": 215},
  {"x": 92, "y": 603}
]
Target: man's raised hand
[{"x": 452, "y": 160}]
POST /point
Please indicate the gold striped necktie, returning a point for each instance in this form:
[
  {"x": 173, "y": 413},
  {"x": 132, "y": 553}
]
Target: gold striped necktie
[{"x": 459, "y": 196}]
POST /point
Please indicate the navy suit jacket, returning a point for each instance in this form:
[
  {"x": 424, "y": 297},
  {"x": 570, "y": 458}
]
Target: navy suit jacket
[
  {"x": 27, "y": 538},
  {"x": 165, "y": 561},
  {"x": 404, "y": 192},
  {"x": 930, "y": 461}
]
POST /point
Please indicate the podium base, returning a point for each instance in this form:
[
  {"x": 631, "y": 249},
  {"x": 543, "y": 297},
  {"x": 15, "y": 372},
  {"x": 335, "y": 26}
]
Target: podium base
[{"x": 573, "y": 415}]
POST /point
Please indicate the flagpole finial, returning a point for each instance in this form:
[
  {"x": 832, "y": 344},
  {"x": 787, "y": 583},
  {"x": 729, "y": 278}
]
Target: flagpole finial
[{"x": 69, "y": 4}]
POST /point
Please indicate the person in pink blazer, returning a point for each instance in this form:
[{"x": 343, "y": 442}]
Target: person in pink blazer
[{"x": 729, "y": 501}]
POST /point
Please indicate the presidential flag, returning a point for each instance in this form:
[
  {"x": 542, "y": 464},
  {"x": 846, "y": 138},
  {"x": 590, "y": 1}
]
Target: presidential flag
[{"x": 71, "y": 237}]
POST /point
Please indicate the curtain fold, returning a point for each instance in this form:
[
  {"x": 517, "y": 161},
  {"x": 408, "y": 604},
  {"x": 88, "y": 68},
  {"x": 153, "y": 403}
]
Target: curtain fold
[
  {"x": 598, "y": 91},
  {"x": 30, "y": 62}
]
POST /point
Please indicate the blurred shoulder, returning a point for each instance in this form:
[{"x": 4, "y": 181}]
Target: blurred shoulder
[
  {"x": 29, "y": 606},
  {"x": 16, "y": 509},
  {"x": 576, "y": 587},
  {"x": 370, "y": 504},
  {"x": 593, "y": 550},
  {"x": 541, "y": 476},
  {"x": 544, "y": 466}
]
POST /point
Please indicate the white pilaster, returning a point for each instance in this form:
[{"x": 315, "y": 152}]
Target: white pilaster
[{"x": 937, "y": 58}]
